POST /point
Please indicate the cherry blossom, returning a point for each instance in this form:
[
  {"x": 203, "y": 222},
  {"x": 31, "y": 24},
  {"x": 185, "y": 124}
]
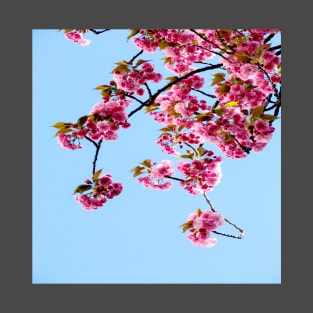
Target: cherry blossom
[{"x": 236, "y": 116}]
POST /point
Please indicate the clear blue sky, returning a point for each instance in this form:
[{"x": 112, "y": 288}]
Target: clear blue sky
[{"x": 135, "y": 237}]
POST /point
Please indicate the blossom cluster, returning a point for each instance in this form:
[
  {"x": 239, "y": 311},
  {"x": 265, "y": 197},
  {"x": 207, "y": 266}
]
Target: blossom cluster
[
  {"x": 200, "y": 226},
  {"x": 102, "y": 188},
  {"x": 132, "y": 81},
  {"x": 77, "y": 36},
  {"x": 244, "y": 89},
  {"x": 110, "y": 117},
  {"x": 103, "y": 123},
  {"x": 157, "y": 175},
  {"x": 201, "y": 175},
  {"x": 253, "y": 70}
]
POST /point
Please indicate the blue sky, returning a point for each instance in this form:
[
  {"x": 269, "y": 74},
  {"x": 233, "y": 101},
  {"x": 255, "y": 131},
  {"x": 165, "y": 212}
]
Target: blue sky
[{"x": 135, "y": 237}]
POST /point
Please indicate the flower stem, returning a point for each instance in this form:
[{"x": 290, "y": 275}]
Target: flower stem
[{"x": 242, "y": 232}]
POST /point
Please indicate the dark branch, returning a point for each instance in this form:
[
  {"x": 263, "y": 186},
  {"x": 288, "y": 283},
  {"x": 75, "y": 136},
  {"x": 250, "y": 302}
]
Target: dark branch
[
  {"x": 98, "y": 146},
  {"x": 92, "y": 141},
  {"x": 137, "y": 55},
  {"x": 97, "y": 32},
  {"x": 274, "y": 48},
  {"x": 151, "y": 99},
  {"x": 149, "y": 91},
  {"x": 134, "y": 98},
  {"x": 204, "y": 93},
  {"x": 268, "y": 38},
  {"x": 175, "y": 178},
  {"x": 224, "y": 42},
  {"x": 212, "y": 43},
  {"x": 242, "y": 232}
]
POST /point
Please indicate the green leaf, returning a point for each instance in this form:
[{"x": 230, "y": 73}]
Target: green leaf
[
  {"x": 123, "y": 63},
  {"x": 181, "y": 127},
  {"x": 133, "y": 33},
  {"x": 171, "y": 78},
  {"x": 152, "y": 107},
  {"x": 199, "y": 212},
  {"x": 223, "y": 89},
  {"x": 61, "y": 125},
  {"x": 82, "y": 188},
  {"x": 148, "y": 163},
  {"x": 169, "y": 128},
  {"x": 186, "y": 225},
  {"x": 167, "y": 60},
  {"x": 82, "y": 120},
  {"x": 231, "y": 104},
  {"x": 257, "y": 111},
  {"x": 138, "y": 170},
  {"x": 242, "y": 56},
  {"x": 96, "y": 175},
  {"x": 218, "y": 77},
  {"x": 121, "y": 68},
  {"x": 103, "y": 87},
  {"x": 137, "y": 173},
  {"x": 94, "y": 118},
  {"x": 201, "y": 151},
  {"x": 63, "y": 131},
  {"x": 185, "y": 156},
  {"x": 219, "y": 111},
  {"x": 163, "y": 44},
  {"x": 139, "y": 62},
  {"x": 268, "y": 117},
  {"x": 205, "y": 116}
]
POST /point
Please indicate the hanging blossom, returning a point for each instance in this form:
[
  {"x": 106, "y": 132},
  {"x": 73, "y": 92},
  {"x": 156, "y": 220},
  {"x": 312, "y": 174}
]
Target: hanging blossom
[
  {"x": 110, "y": 116},
  {"x": 102, "y": 189},
  {"x": 200, "y": 226},
  {"x": 77, "y": 35},
  {"x": 237, "y": 123},
  {"x": 201, "y": 175},
  {"x": 133, "y": 80},
  {"x": 68, "y": 142},
  {"x": 102, "y": 123},
  {"x": 156, "y": 174}
]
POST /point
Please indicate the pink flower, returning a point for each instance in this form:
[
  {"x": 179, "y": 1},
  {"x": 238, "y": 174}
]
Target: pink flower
[
  {"x": 157, "y": 175},
  {"x": 98, "y": 193},
  {"x": 165, "y": 168},
  {"x": 247, "y": 71},
  {"x": 77, "y": 37},
  {"x": 202, "y": 240},
  {"x": 201, "y": 175},
  {"x": 68, "y": 142},
  {"x": 203, "y": 223},
  {"x": 105, "y": 180}
]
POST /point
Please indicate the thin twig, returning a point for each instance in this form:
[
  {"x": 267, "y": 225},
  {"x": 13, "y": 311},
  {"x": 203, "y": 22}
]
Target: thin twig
[
  {"x": 151, "y": 99},
  {"x": 202, "y": 92},
  {"x": 98, "y": 146},
  {"x": 242, "y": 232},
  {"x": 97, "y": 32},
  {"x": 175, "y": 178},
  {"x": 138, "y": 54}
]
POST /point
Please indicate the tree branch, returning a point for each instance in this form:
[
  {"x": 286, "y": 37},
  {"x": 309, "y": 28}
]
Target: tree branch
[
  {"x": 202, "y": 92},
  {"x": 98, "y": 146},
  {"x": 151, "y": 99},
  {"x": 212, "y": 43},
  {"x": 175, "y": 178},
  {"x": 97, "y": 32},
  {"x": 242, "y": 232},
  {"x": 137, "y": 55}
]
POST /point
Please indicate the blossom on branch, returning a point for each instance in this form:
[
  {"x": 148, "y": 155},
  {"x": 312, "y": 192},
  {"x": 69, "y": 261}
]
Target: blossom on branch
[
  {"x": 94, "y": 194},
  {"x": 77, "y": 36},
  {"x": 245, "y": 89},
  {"x": 200, "y": 226}
]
